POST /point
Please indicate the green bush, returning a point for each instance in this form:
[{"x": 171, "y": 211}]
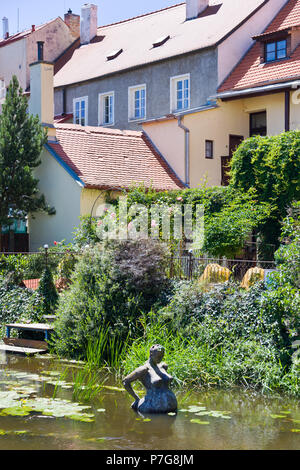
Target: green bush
[
  {"x": 18, "y": 304},
  {"x": 13, "y": 267},
  {"x": 113, "y": 284},
  {"x": 271, "y": 166},
  {"x": 193, "y": 362},
  {"x": 224, "y": 313}
]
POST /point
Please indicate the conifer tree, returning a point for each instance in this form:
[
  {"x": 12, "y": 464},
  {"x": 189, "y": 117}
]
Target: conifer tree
[
  {"x": 21, "y": 142},
  {"x": 48, "y": 292}
]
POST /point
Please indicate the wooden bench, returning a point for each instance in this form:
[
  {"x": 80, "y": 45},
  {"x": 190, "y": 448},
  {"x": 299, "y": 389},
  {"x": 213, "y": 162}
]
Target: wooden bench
[{"x": 26, "y": 346}]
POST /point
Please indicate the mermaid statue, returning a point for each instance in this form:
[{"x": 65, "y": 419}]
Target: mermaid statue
[{"x": 154, "y": 377}]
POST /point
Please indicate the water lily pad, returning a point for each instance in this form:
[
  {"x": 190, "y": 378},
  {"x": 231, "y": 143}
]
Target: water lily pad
[
  {"x": 195, "y": 408},
  {"x": 172, "y": 414},
  {"x": 83, "y": 418},
  {"x": 277, "y": 416},
  {"x": 101, "y": 410},
  {"x": 198, "y": 421},
  {"x": 295, "y": 430},
  {"x": 15, "y": 411}
]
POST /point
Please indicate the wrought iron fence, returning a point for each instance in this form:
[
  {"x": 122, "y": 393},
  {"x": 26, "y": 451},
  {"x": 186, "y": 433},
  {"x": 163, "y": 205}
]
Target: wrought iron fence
[
  {"x": 180, "y": 267},
  {"x": 189, "y": 267}
]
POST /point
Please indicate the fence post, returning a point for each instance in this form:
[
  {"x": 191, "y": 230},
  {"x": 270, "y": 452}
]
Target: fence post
[
  {"x": 46, "y": 256},
  {"x": 190, "y": 270}
]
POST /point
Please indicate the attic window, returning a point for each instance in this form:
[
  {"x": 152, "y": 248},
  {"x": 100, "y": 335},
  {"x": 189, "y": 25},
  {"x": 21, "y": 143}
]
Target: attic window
[
  {"x": 161, "y": 41},
  {"x": 276, "y": 50},
  {"x": 114, "y": 54}
]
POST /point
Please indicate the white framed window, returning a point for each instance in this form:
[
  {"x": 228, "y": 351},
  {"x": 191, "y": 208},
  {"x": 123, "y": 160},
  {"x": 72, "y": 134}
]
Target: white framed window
[
  {"x": 137, "y": 102},
  {"x": 80, "y": 111},
  {"x": 106, "y": 109},
  {"x": 2, "y": 89},
  {"x": 180, "y": 92}
]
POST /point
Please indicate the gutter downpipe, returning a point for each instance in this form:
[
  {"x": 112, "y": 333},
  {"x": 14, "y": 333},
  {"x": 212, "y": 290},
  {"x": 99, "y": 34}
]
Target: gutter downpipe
[{"x": 186, "y": 150}]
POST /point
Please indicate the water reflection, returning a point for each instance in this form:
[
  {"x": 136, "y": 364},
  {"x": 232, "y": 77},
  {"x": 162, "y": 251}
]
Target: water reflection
[{"x": 207, "y": 419}]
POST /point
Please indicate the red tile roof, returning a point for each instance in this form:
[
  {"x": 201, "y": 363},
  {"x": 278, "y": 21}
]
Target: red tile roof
[
  {"x": 251, "y": 72},
  {"x": 31, "y": 283},
  {"x": 288, "y": 16},
  {"x": 112, "y": 159}
]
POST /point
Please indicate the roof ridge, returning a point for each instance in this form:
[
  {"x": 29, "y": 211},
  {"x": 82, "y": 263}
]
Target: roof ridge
[
  {"x": 98, "y": 130},
  {"x": 26, "y": 32},
  {"x": 141, "y": 16}
]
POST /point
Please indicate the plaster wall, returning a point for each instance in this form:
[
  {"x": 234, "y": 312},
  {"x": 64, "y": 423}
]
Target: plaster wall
[
  {"x": 91, "y": 200},
  {"x": 216, "y": 125},
  {"x": 57, "y": 37},
  {"x": 61, "y": 192},
  {"x": 201, "y": 66},
  {"x": 169, "y": 139},
  {"x": 230, "y": 118},
  {"x": 13, "y": 62}
]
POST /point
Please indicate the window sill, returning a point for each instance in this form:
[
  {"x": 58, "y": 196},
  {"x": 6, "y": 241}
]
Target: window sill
[
  {"x": 266, "y": 62},
  {"x": 137, "y": 120},
  {"x": 106, "y": 125}
]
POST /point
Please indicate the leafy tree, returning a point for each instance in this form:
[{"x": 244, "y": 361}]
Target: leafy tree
[
  {"x": 21, "y": 142},
  {"x": 227, "y": 230},
  {"x": 271, "y": 166}
]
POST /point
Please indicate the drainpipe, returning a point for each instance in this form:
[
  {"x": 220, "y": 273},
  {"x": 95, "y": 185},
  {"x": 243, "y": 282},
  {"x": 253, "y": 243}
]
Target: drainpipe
[
  {"x": 287, "y": 111},
  {"x": 186, "y": 150}
]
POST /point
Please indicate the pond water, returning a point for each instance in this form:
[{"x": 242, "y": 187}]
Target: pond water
[{"x": 38, "y": 411}]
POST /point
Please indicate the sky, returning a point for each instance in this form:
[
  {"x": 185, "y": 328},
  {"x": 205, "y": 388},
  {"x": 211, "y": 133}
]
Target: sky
[{"x": 22, "y": 14}]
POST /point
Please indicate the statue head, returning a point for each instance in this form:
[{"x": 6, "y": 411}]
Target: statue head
[{"x": 157, "y": 353}]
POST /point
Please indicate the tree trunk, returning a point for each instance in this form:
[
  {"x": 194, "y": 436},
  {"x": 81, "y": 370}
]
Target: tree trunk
[{"x": 0, "y": 238}]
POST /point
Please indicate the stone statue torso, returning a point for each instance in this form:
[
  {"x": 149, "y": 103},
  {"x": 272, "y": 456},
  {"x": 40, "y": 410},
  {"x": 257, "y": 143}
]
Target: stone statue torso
[{"x": 158, "y": 399}]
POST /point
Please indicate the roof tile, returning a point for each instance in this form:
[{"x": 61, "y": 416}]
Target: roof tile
[
  {"x": 251, "y": 72},
  {"x": 90, "y": 61},
  {"x": 113, "y": 159}
]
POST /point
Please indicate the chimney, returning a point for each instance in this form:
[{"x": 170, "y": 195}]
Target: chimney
[
  {"x": 195, "y": 7},
  {"x": 73, "y": 21},
  {"x": 89, "y": 22},
  {"x": 5, "y": 27},
  {"x": 33, "y": 28},
  {"x": 41, "y": 100}
]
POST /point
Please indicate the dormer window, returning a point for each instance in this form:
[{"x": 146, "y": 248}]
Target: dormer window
[
  {"x": 114, "y": 54},
  {"x": 161, "y": 41},
  {"x": 275, "y": 50},
  {"x": 276, "y": 45}
]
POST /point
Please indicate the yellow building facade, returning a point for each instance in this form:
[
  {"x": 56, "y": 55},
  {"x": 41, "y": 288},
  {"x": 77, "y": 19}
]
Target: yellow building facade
[{"x": 219, "y": 129}]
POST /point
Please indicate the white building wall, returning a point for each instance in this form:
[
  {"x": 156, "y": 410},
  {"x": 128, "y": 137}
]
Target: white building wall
[
  {"x": 13, "y": 62},
  {"x": 61, "y": 192}
]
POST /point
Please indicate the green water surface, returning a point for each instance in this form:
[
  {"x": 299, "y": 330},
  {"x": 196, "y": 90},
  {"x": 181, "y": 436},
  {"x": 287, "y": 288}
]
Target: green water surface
[{"x": 38, "y": 412}]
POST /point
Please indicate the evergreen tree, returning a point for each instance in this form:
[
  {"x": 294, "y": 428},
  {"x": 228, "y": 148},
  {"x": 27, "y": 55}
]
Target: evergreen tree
[
  {"x": 48, "y": 292},
  {"x": 21, "y": 142}
]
